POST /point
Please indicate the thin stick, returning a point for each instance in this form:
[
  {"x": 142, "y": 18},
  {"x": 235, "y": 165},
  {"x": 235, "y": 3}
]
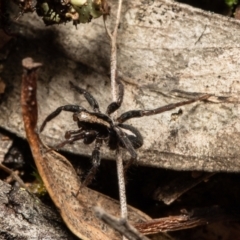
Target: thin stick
[
  {"x": 113, "y": 61},
  {"x": 113, "y": 73},
  {"x": 106, "y": 29},
  {"x": 121, "y": 184},
  {"x": 121, "y": 225},
  {"x": 13, "y": 175}
]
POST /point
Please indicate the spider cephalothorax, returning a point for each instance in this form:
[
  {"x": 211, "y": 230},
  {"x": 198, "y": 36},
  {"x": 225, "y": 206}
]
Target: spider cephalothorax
[{"x": 101, "y": 128}]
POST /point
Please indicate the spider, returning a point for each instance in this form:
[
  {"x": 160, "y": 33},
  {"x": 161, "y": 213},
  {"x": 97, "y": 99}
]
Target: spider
[{"x": 101, "y": 128}]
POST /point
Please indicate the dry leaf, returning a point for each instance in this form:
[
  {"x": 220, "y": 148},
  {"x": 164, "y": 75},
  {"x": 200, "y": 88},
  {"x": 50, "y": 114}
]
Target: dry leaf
[{"x": 60, "y": 178}]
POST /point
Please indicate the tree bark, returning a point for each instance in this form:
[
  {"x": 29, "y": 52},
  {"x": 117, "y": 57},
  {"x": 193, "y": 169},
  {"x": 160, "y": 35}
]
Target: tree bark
[
  {"x": 24, "y": 216},
  {"x": 168, "y": 52}
]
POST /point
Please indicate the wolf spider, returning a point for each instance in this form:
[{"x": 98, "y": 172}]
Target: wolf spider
[{"x": 101, "y": 128}]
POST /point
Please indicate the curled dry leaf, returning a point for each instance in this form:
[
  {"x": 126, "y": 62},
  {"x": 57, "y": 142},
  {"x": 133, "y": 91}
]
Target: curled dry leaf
[{"x": 60, "y": 178}]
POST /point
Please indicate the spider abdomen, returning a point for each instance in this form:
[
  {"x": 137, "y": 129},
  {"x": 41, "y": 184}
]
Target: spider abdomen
[{"x": 94, "y": 118}]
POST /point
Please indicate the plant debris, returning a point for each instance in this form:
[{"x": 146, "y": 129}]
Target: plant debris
[{"x": 60, "y": 178}]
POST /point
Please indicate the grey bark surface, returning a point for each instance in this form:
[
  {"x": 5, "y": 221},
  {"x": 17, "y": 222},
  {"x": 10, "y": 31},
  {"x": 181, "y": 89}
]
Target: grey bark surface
[
  {"x": 163, "y": 48},
  {"x": 23, "y": 216}
]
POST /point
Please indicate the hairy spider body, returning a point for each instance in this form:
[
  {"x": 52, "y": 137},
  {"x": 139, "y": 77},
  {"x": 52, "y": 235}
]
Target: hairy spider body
[
  {"x": 99, "y": 127},
  {"x": 93, "y": 119}
]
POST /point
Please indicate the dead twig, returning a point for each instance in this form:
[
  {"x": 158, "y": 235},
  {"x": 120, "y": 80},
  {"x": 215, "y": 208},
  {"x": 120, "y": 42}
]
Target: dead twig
[
  {"x": 113, "y": 73},
  {"x": 186, "y": 220},
  {"x": 13, "y": 175},
  {"x": 121, "y": 225}
]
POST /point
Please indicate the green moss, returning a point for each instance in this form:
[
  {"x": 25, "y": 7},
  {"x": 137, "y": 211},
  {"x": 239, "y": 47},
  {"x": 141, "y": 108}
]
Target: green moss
[
  {"x": 87, "y": 11},
  {"x": 231, "y": 3},
  {"x": 78, "y": 11}
]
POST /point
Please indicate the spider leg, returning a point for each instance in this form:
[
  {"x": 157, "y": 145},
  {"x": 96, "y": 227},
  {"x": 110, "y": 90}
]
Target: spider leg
[
  {"x": 71, "y": 140},
  {"x": 137, "y": 140},
  {"x": 95, "y": 162},
  {"x": 112, "y": 107},
  {"x": 91, "y": 100},
  {"x": 140, "y": 113},
  {"x": 68, "y": 108},
  {"x": 87, "y": 136},
  {"x": 68, "y": 134}
]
